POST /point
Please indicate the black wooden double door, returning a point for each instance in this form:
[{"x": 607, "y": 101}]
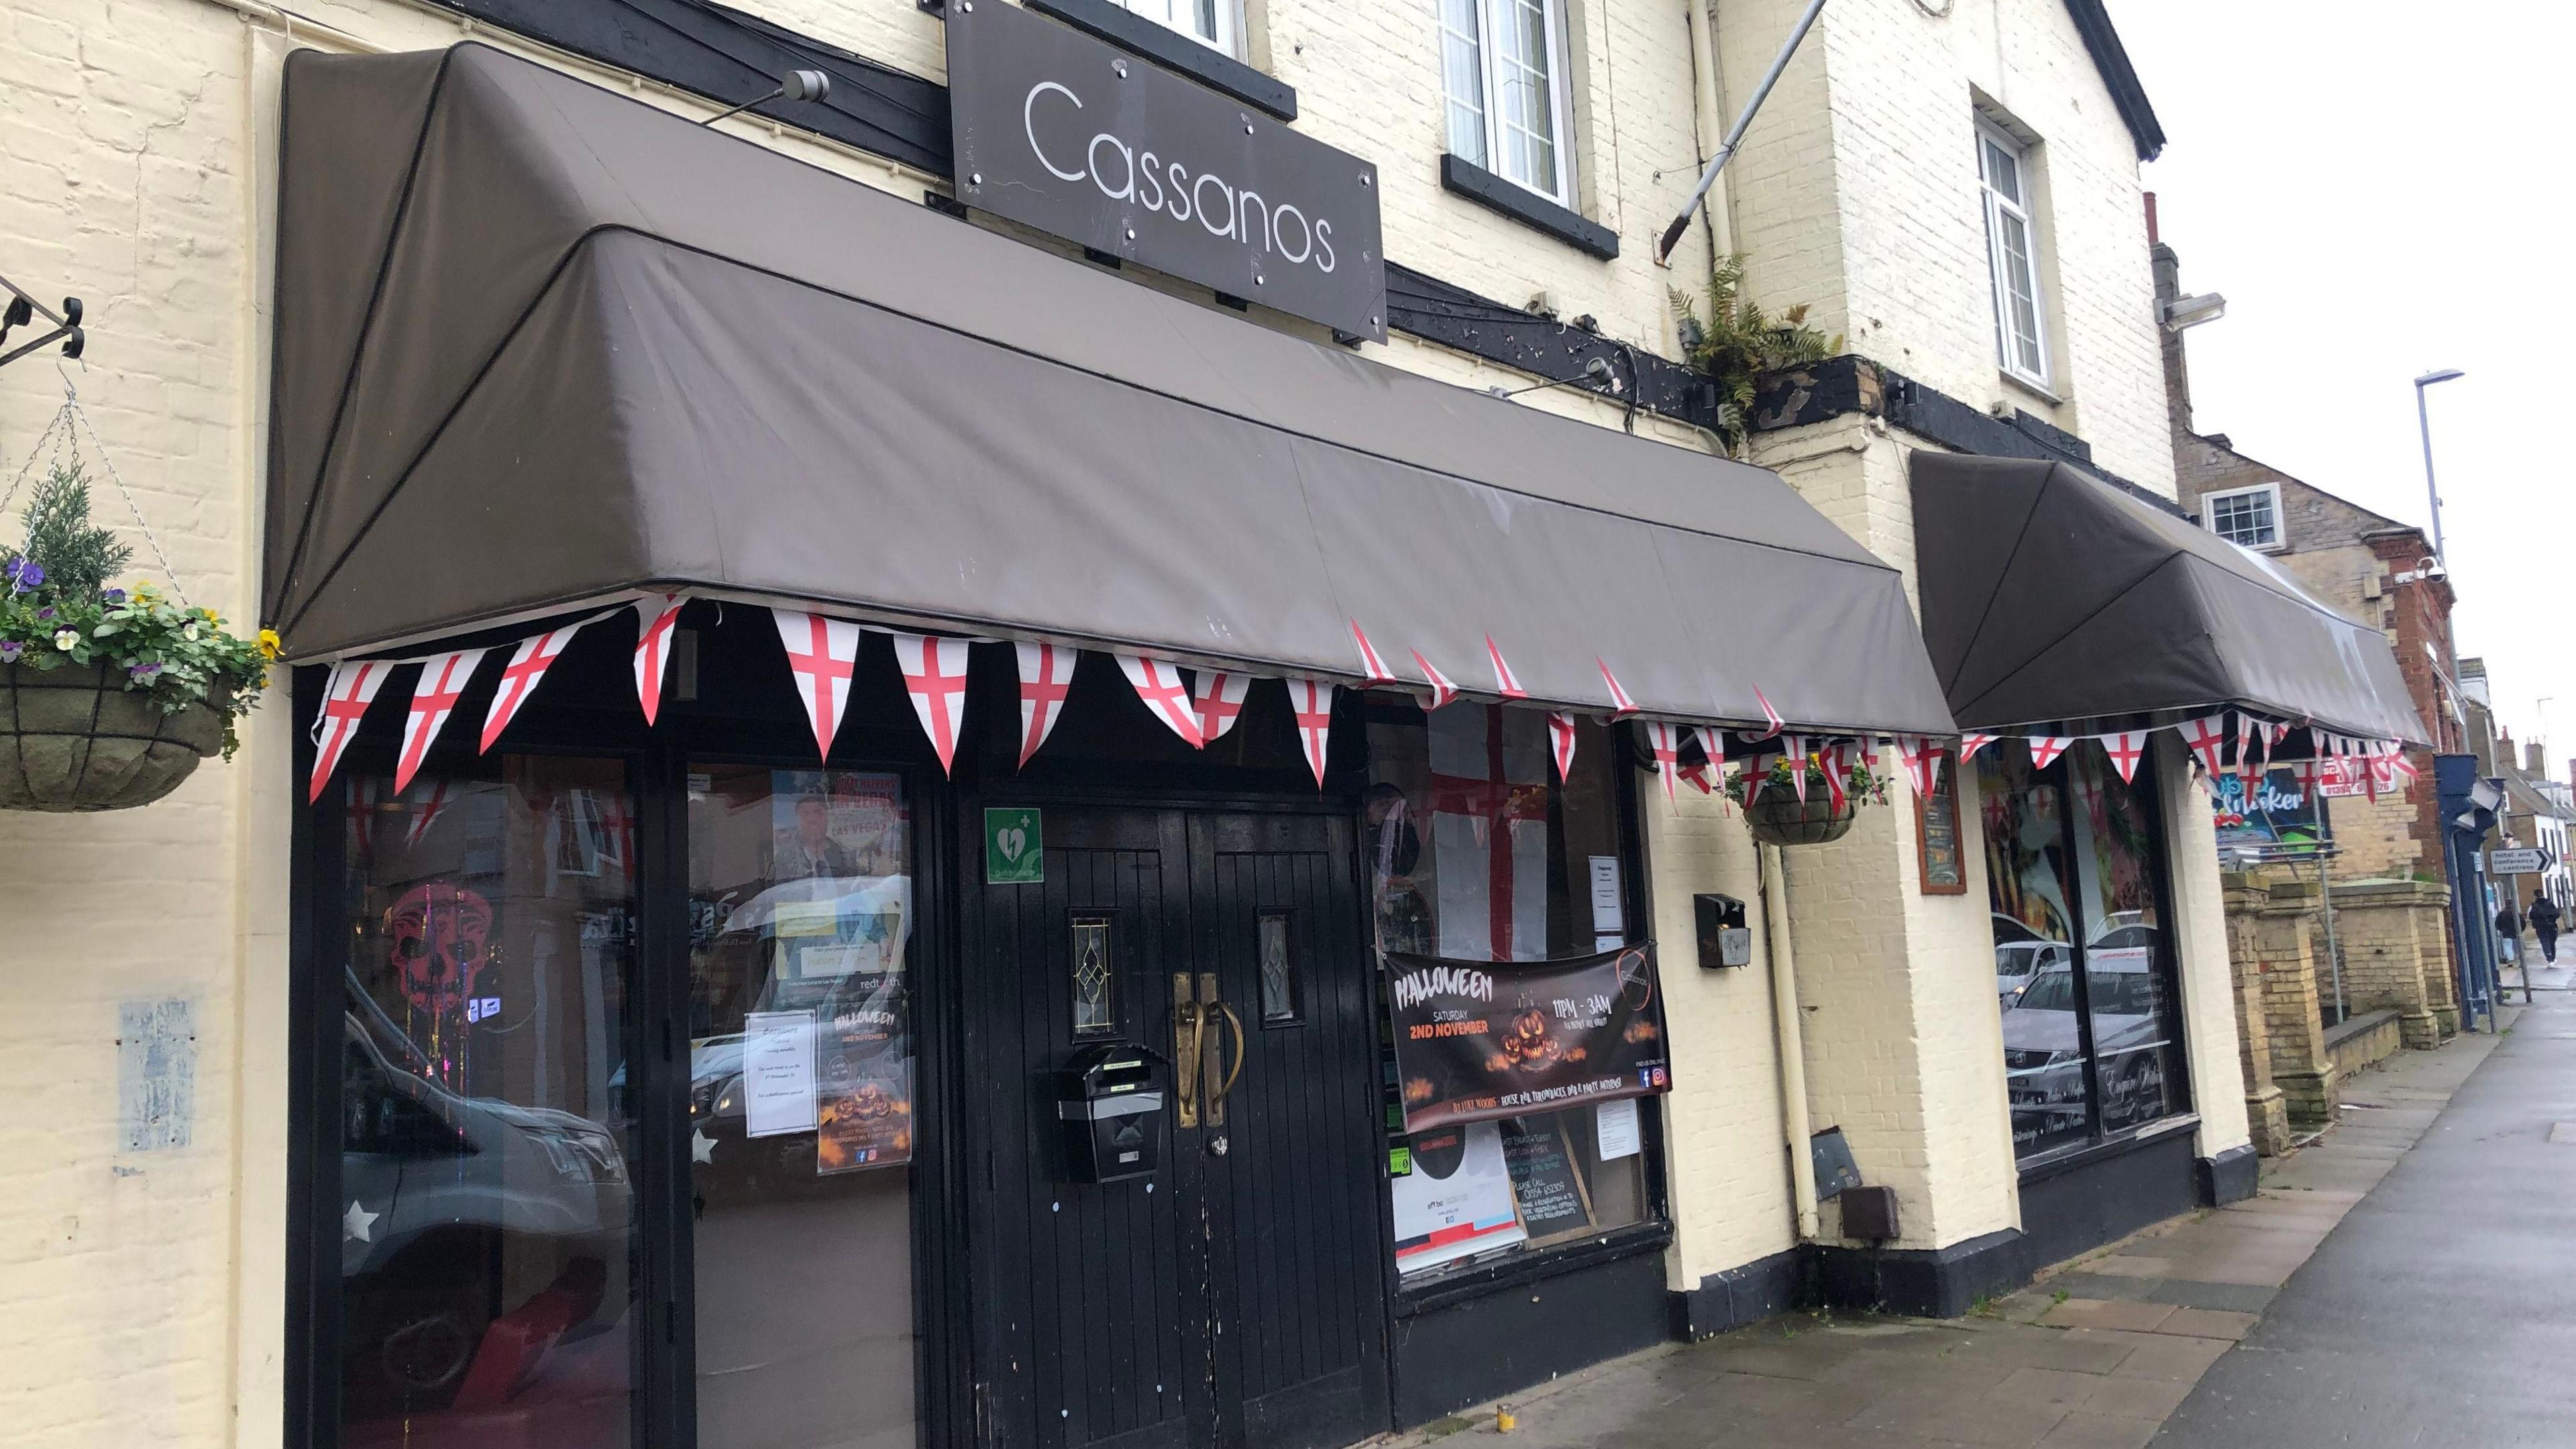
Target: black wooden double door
[{"x": 1236, "y": 1297}]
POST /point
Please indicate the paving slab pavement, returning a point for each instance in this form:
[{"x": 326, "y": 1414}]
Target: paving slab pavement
[{"x": 2097, "y": 1355}]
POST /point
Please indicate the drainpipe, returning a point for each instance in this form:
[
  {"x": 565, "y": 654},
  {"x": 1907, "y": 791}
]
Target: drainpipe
[
  {"x": 1791, "y": 1042},
  {"x": 1706, "y": 118}
]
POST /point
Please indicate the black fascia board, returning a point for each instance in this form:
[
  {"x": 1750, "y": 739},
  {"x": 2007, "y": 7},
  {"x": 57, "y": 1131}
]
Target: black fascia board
[
  {"x": 2111, "y": 58},
  {"x": 1176, "y": 52},
  {"x": 1523, "y": 205}
]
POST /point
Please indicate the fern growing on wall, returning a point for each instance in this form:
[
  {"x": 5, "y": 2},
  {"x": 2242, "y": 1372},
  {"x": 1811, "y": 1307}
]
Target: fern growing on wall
[{"x": 1735, "y": 341}]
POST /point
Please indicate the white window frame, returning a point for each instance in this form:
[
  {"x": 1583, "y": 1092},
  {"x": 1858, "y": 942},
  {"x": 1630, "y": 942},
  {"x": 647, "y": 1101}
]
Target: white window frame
[
  {"x": 1997, "y": 207},
  {"x": 2272, "y": 495},
  {"x": 1183, "y": 17},
  {"x": 1558, "y": 187}
]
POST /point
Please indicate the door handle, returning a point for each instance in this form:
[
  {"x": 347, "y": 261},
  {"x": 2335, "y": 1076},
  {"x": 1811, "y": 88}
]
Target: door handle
[
  {"x": 1188, "y": 1023},
  {"x": 1216, "y": 1098},
  {"x": 1210, "y": 1004}
]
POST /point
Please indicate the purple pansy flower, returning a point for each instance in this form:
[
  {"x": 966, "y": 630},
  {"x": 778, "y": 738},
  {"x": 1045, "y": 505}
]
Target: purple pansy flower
[
  {"x": 111, "y": 596},
  {"x": 22, "y": 573},
  {"x": 44, "y": 613},
  {"x": 141, "y": 672},
  {"x": 10, "y": 649}
]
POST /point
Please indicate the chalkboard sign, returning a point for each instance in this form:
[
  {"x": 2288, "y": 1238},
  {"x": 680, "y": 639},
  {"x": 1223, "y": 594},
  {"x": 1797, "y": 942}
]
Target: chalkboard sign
[
  {"x": 1545, "y": 1181},
  {"x": 1936, "y": 832}
]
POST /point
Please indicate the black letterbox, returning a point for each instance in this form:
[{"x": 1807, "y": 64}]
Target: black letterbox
[{"x": 1110, "y": 1101}]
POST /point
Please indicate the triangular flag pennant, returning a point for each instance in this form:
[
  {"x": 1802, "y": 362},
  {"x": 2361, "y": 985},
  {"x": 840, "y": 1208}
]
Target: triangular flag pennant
[
  {"x": 1969, "y": 744},
  {"x": 1712, "y": 743},
  {"x": 1046, "y": 676},
  {"x": 353, "y": 687},
  {"x": 1560, "y": 742},
  {"x": 1796, "y": 745},
  {"x": 519, "y": 678},
  {"x": 1621, "y": 706},
  {"x": 442, "y": 682},
  {"x": 1665, "y": 742},
  {"x": 1159, "y": 685},
  {"x": 1219, "y": 701},
  {"x": 2207, "y": 737},
  {"x": 2246, "y": 729},
  {"x": 1506, "y": 683},
  {"x": 425, "y": 815},
  {"x": 2125, "y": 748},
  {"x": 934, "y": 674},
  {"x": 1833, "y": 759},
  {"x": 2044, "y": 749},
  {"x": 363, "y": 792},
  {"x": 1920, "y": 756},
  {"x": 2305, "y": 772},
  {"x": 2262, "y": 751},
  {"x": 655, "y": 616},
  {"x": 1442, "y": 691},
  {"x": 821, "y": 654},
  {"x": 2399, "y": 761},
  {"x": 1373, "y": 670},
  {"x": 1770, "y": 716},
  {"x": 1757, "y": 772},
  {"x": 1311, "y": 701},
  {"x": 1697, "y": 775}
]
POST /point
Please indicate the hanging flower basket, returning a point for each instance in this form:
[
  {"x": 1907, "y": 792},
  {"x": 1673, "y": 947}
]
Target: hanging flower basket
[
  {"x": 75, "y": 738},
  {"x": 1781, "y": 818}
]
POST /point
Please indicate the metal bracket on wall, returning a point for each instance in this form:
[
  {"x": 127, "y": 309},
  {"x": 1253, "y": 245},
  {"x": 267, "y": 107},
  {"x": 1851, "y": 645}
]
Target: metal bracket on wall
[{"x": 22, "y": 310}]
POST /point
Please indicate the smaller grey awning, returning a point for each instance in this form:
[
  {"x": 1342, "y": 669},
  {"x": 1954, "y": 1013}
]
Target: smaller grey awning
[{"x": 2051, "y": 598}]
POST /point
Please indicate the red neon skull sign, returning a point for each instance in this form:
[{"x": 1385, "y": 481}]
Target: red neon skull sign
[{"x": 438, "y": 938}]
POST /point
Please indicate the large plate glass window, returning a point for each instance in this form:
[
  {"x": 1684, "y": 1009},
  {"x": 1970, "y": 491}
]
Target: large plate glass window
[
  {"x": 801, "y": 1102},
  {"x": 2084, "y": 967},
  {"x": 2004, "y": 174},
  {"x": 1217, "y": 23},
  {"x": 1476, "y": 850},
  {"x": 487, "y": 1209},
  {"x": 1502, "y": 65}
]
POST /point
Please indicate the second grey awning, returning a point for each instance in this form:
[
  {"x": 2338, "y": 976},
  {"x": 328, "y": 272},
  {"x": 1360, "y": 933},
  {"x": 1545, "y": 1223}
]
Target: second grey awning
[
  {"x": 2052, "y": 599},
  {"x": 539, "y": 343}
]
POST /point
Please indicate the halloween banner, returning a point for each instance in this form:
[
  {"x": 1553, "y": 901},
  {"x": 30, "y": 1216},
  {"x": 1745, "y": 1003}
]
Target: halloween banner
[{"x": 1482, "y": 1040}]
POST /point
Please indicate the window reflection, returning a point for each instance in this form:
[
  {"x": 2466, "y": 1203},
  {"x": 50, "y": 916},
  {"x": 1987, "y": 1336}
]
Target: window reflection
[{"x": 486, "y": 1206}]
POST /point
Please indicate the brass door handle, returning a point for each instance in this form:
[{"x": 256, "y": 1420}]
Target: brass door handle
[
  {"x": 1188, "y": 1024},
  {"x": 1216, "y": 1099}
]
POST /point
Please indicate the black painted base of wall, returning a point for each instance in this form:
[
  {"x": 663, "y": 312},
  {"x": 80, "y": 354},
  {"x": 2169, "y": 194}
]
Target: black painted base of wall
[
  {"x": 1465, "y": 1353},
  {"x": 2075, "y": 1206},
  {"x": 1724, "y": 1302},
  {"x": 1924, "y": 1282},
  {"x": 2229, "y": 1177}
]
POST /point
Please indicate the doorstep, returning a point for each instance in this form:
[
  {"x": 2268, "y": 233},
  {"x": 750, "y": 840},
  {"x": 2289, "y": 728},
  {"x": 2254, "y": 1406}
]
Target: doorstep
[{"x": 2098, "y": 1352}]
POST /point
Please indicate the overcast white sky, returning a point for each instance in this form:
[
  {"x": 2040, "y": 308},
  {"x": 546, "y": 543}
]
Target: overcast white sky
[{"x": 2380, "y": 191}]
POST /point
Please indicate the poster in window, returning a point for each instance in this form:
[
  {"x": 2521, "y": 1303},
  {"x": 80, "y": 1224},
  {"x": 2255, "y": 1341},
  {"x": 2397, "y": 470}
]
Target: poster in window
[
  {"x": 1457, "y": 1201},
  {"x": 1483, "y": 1040},
  {"x": 1936, "y": 834},
  {"x": 2273, "y": 815}
]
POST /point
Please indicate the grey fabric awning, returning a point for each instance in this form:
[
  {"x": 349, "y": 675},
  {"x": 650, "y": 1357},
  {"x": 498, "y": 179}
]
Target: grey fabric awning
[
  {"x": 540, "y": 344},
  {"x": 2052, "y": 599}
]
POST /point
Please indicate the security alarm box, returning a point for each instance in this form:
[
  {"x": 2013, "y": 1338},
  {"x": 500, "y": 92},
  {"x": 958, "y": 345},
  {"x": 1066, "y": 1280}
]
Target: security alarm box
[
  {"x": 1724, "y": 939},
  {"x": 1109, "y": 1101}
]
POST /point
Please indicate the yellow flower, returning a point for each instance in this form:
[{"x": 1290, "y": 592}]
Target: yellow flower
[{"x": 269, "y": 644}]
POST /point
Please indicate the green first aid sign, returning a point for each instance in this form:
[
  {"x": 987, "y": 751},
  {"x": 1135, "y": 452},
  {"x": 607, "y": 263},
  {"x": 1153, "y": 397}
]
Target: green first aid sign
[{"x": 1014, "y": 848}]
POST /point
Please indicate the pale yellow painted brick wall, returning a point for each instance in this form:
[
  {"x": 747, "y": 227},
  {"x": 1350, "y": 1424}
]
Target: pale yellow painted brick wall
[{"x": 2200, "y": 939}]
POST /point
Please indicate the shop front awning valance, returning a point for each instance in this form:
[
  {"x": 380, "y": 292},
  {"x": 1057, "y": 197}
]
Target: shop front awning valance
[
  {"x": 2054, "y": 601},
  {"x": 539, "y": 344}
]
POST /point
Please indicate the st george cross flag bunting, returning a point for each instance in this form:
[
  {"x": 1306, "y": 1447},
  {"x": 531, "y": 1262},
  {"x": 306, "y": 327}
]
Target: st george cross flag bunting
[
  {"x": 2247, "y": 728},
  {"x": 2044, "y": 749},
  {"x": 1311, "y": 701},
  {"x": 1665, "y": 741},
  {"x": 442, "y": 682},
  {"x": 1046, "y": 675},
  {"x": 1373, "y": 670},
  {"x": 1506, "y": 683},
  {"x": 934, "y": 674},
  {"x": 1219, "y": 701},
  {"x": 1969, "y": 744},
  {"x": 1621, "y": 706},
  {"x": 2125, "y": 748},
  {"x": 2305, "y": 772},
  {"x": 353, "y": 687},
  {"x": 425, "y": 814},
  {"x": 1697, "y": 775},
  {"x": 1796, "y": 745},
  {"x": 1921, "y": 757},
  {"x": 1712, "y": 743},
  {"x": 1770, "y": 716},
  {"x": 2207, "y": 737},
  {"x": 1560, "y": 742},
  {"x": 656, "y": 616},
  {"x": 1442, "y": 691},
  {"x": 1159, "y": 685},
  {"x": 1836, "y": 760},
  {"x": 821, "y": 653},
  {"x": 520, "y": 677}
]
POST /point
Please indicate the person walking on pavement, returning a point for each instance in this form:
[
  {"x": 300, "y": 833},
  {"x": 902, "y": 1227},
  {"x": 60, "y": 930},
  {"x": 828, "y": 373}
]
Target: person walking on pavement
[
  {"x": 2544, "y": 924},
  {"x": 2509, "y": 932}
]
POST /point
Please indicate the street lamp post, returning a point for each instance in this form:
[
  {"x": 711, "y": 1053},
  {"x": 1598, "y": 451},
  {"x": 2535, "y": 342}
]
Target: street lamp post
[{"x": 2424, "y": 427}]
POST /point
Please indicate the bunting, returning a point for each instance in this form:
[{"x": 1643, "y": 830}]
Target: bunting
[
  {"x": 1218, "y": 702},
  {"x": 1665, "y": 743},
  {"x": 2125, "y": 748},
  {"x": 1442, "y": 691},
  {"x": 442, "y": 682},
  {"x": 1311, "y": 701},
  {"x": 1046, "y": 677},
  {"x": 821, "y": 655},
  {"x": 934, "y": 674},
  {"x": 1373, "y": 670},
  {"x": 353, "y": 687},
  {"x": 1506, "y": 683},
  {"x": 2247, "y": 728},
  {"x": 2044, "y": 749},
  {"x": 1835, "y": 758},
  {"x": 1770, "y": 716},
  {"x": 1560, "y": 742},
  {"x": 1796, "y": 748},
  {"x": 654, "y": 617},
  {"x": 1712, "y": 743},
  {"x": 1159, "y": 685},
  {"x": 1920, "y": 755},
  {"x": 2207, "y": 737},
  {"x": 1621, "y": 706},
  {"x": 520, "y": 677}
]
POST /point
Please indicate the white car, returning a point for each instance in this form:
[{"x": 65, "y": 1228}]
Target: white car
[
  {"x": 2043, "y": 1046},
  {"x": 2021, "y": 954}
]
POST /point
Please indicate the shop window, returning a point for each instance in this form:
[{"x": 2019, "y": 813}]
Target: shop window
[
  {"x": 1215, "y": 23},
  {"x": 1502, "y": 65},
  {"x": 486, "y": 1206},
  {"x": 1095, "y": 985},
  {"x": 2248, "y": 517},
  {"x": 801, "y": 1102},
  {"x": 2004, "y": 173},
  {"x": 1477, "y": 852},
  {"x": 2084, "y": 967}
]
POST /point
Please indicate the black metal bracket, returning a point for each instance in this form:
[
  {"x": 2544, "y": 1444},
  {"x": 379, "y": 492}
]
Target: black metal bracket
[{"x": 22, "y": 310}]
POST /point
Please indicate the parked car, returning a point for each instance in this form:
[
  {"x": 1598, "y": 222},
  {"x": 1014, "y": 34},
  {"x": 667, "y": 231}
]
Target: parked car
[
  {"x": 2043, "y": 1046},
  {"x": 2021, "y": 954}
]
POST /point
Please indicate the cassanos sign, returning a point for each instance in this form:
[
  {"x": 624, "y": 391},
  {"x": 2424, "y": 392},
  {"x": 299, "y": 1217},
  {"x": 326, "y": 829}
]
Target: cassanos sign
[{"x": 1067, "y": 134}]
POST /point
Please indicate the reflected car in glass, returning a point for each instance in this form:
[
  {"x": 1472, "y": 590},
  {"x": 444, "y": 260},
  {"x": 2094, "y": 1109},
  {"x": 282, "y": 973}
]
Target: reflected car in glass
[{"x": 2043, "y": 1045}]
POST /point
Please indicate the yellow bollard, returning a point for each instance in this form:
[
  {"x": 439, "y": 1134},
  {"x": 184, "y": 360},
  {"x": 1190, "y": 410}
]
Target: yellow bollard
[{"x": 1504, "y": 1420}]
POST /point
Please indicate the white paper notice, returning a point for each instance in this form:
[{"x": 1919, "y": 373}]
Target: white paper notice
[
  {"x": 777, "y": 1073},
  {"x": 1608, "y": 943},
  {"x": 1609, "y": 917},
  {"x": 1615, "y": 1123}
]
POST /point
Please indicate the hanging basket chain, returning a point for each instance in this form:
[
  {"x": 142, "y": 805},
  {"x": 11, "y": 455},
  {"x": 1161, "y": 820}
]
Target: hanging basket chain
[{"x": 64, "y": 433}]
